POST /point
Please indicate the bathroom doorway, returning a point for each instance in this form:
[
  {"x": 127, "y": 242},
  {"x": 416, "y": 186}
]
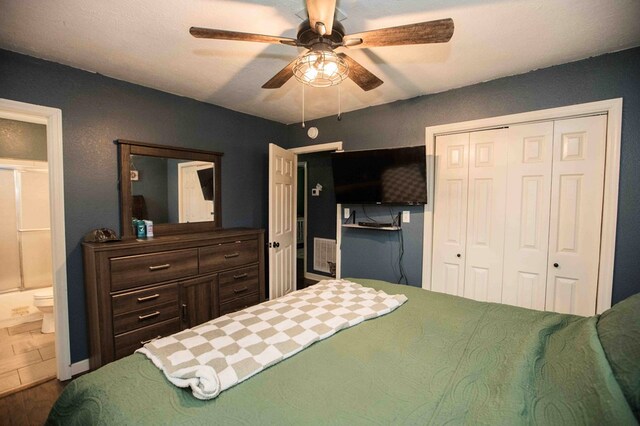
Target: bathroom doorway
[
  {"x": 34, "y": 342},
  {"x": 27, "y": 354}
]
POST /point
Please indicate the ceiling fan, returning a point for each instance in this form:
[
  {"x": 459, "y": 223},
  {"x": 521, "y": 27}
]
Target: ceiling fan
[{"x": 320, "y": 66}]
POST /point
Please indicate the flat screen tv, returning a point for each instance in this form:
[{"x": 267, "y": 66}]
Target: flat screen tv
[{"x": 380, "y": 176}]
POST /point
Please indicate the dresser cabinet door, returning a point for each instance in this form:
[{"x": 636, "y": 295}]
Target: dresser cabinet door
[{"x": 198, "y": 300}]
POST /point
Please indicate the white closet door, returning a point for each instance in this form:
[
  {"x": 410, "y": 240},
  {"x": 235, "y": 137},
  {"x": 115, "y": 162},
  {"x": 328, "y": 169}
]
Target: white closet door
[
  {"x": 526, "y": 243},
  {"x": 450, "y": 214},
  {"x": 486, "y": 215},
  {"x": 576, "y": 214}
]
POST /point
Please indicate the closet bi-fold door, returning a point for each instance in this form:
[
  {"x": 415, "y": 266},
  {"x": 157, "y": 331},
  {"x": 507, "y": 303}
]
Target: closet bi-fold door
[
  {"x": 526, "y": 241},
  {"x": 576, "y": 214},
  {"x": 450, "y": 214},
  {"x": 486, "y": 215}
]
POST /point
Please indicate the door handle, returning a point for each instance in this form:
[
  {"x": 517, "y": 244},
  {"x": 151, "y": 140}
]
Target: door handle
[
  {"x": 555, "y": 265},
  {"x": 184, "y": 312},
  {"x": 276, "y": 244},
  {"x": 458, "y": 255}
]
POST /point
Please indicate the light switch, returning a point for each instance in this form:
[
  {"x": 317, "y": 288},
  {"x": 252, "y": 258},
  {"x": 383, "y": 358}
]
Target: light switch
[
  {"x": 347, "y": 212},
  {"x": 406, "y": 216}
]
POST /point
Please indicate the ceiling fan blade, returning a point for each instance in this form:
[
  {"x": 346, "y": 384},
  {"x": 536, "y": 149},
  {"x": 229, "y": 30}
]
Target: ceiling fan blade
[
  {"x": 234, "y": 35},
  {"x": 321, "y": 11},
  {"x": 278, "y": 80},
  {"x": 439, "y": 31},
  {"x": 360, "y": 75}
]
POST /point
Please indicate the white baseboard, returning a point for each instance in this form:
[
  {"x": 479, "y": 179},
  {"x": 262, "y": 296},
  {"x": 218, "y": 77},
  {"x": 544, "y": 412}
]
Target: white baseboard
[
  {"x": 316, "y": 277},
  {"x": 80, "y": 367}
]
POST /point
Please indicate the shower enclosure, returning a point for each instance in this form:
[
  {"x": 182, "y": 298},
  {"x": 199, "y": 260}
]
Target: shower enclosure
[{"x": 25, "y": 235}]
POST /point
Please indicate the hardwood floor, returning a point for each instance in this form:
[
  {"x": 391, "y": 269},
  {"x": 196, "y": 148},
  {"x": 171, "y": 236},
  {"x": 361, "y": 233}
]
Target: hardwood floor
[{"x": 30, "y": 406}]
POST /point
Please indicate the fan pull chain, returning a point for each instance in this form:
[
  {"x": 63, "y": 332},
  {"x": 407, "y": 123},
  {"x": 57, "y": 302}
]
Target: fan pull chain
[
  {"x": 339, "y": 104},
  {"x": 303, "y": 126}
]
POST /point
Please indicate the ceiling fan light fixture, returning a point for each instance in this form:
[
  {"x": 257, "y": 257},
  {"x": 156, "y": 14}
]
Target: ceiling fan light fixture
[{"x": 320, "y": 68}]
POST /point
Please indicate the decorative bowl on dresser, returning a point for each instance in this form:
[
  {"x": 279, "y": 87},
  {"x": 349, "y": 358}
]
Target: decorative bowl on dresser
[{"x": 141, "y": 289}]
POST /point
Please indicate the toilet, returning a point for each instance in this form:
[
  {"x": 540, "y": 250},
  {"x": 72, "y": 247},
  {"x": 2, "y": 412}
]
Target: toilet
[{"x": 43, "y": 300}]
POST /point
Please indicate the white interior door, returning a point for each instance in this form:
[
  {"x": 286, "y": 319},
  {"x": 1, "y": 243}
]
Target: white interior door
[
  {"x": 193, "y": 207},
  {"x": 450, "y": 215},
  {"x": 486, "y": 215},
  {"x": 282, "y": 221},
  {"x": 576, "y": 214},
  {"x": 526, "y": 241}
]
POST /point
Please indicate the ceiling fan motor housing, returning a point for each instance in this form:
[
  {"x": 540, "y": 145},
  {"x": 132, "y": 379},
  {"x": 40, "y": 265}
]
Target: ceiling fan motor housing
[{"x": 308, "y": 37}]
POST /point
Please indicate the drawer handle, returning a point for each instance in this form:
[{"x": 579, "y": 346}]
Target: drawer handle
[
  {"x": 160, "y": 267},
  {"x": 229, "y": 256},
  {"x": 240, "y": 290},
  {"x": 239, "y": 276},
  {"x": 144, "y": 342},
  {"x": 144, "y": 299},
  {"x": 151, "y": 315}
]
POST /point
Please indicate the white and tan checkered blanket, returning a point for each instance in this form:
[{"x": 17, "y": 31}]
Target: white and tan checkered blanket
[{"x": 223, "y": 352}]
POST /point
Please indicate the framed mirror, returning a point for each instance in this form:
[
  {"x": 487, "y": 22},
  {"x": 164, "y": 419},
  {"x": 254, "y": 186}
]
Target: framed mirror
[{"x": 176, "y": 188}]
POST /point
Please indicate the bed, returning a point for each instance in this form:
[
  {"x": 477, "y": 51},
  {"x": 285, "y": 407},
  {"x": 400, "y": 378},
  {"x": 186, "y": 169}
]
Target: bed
[{"x": 437, "y": 359}]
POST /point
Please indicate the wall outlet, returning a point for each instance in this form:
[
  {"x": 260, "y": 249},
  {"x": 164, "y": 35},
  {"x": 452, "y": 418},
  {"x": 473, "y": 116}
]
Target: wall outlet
[
  {"x": 406, "y": 216},
  {"x": 347, "y": 212}
]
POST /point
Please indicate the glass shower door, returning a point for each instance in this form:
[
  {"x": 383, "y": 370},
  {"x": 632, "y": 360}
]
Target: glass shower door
[{"x": 10, "y": 278}]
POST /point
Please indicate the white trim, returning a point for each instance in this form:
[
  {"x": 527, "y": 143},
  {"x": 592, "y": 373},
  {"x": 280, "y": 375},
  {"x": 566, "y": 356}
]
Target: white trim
[
  {"x": 80, "y": 367},
  {"x": 331, "y": 146},
  {"x": 338, "y": 241},
  {"x": 304, "y": 216},
  {"x": 316, "y": 277},
  {"x": 52, "y": 118},
  {"x": 612, "y": 107}
]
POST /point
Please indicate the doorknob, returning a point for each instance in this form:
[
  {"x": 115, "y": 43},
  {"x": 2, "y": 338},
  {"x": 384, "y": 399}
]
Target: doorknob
[
  {"x": 555, "y": 265},
  {"x": 276, "y": 244},
  {"x": 458, "y": 255}
]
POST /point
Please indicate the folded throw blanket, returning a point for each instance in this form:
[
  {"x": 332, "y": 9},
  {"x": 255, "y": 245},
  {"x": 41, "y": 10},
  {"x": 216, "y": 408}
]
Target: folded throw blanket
[{"x": 223, "y": 352}]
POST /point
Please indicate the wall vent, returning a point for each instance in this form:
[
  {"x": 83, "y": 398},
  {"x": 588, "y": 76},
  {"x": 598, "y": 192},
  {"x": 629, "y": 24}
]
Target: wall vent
[{"x": 324, "y": 251}]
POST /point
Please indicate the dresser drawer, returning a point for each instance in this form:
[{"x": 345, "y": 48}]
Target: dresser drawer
[
  {"x": 228, "y": 255},
  {"x": 237, "y": 283},
  {"x": 133, "y": 271},
  {"x": 142, "y": 299},
  {"x": 239, "y": 303},
  {"x": 127, "y": 343},
  {"x": 144, "y": 317}
]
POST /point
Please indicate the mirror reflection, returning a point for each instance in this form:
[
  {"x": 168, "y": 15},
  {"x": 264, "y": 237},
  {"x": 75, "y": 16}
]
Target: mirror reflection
[{"x": 172, "y": 190}]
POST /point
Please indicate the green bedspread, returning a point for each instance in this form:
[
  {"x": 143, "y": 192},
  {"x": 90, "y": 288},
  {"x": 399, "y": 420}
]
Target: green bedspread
[{"x": 437, "y": 359}]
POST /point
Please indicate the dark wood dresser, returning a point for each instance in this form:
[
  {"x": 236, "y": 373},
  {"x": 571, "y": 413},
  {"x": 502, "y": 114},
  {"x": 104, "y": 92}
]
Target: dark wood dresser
[{"x": 139, "y": 290}]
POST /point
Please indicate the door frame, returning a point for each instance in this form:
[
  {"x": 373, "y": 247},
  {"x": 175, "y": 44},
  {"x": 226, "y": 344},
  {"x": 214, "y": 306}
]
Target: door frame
[
  {"x": 611, "y": 107},
  {"x": 52, "y": 119},
  {"x": 309, "y": 149}
]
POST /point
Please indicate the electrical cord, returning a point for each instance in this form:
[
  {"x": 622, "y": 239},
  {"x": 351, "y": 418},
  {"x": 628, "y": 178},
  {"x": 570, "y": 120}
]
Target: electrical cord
[
  {"x": 364, "y": 210},
  {"x": 403, "y": 275}
]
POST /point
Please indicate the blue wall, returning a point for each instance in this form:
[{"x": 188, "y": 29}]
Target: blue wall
[
  {"x": 403, "y": 123},
  {"x": 96, "y": 110},
  {"x": 375, "y": 253}
]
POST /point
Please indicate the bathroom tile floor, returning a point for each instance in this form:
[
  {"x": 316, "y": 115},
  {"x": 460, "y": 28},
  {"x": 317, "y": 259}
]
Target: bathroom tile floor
[{"x": 27, "y": 357}]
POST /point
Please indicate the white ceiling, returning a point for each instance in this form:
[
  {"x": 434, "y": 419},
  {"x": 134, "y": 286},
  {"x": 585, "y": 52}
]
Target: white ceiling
[{"x": 147, "y": 42}]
